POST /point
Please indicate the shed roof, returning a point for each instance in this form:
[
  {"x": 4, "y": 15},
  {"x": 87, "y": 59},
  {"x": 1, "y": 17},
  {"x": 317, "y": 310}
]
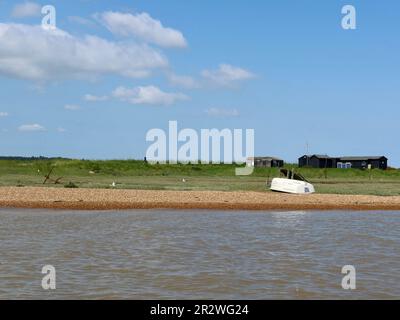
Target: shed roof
[
  {"x": 319, "y": 156},
  {"x": 362, "y": 158},
  {"x": 265, "y": 158},
  {"x": 346, "y": 158}
]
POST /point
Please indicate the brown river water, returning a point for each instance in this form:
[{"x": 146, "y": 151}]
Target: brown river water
[{"x": 164, "y": 254}]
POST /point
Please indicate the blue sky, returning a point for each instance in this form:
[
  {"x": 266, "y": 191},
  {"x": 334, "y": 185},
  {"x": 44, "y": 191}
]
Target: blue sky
[{"x": 285, "y": 68}]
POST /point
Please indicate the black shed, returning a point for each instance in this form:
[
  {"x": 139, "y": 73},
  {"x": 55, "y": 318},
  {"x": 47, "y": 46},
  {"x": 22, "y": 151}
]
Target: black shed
[
  {"x": 324, "y": 161},
  {"x": 265, "y": 162},
  {"x": 373, "y": 162},
  {"x": 317, "y": 161}
]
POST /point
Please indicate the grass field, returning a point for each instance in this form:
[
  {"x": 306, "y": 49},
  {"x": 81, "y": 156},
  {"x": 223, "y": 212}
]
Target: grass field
[{"x": 132, "y": 174}]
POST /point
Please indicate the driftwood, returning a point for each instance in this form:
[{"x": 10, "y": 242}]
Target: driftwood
[{"x": 48, "y": 177}]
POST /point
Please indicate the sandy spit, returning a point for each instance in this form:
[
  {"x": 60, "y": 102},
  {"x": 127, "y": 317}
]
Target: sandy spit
[{"x": 105, "y": 199}]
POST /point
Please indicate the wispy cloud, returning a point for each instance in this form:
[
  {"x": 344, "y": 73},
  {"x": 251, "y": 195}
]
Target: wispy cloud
[
  {"x": 143, "y": 27},
  {"x": 227, "y": 75},
  {"x": 81, "y": 21},
  {"x": 26, "y": 9},
  {"x": 183, "y": 81},
  {"x": 217, "y": 112},
  {"x": 92, "y": 98},
  {"x": 72, "y": 107},
  {"x": 147, "y": 95},
  {"x": 4, "y": 114},
  {"x": 31, "y": 128}
]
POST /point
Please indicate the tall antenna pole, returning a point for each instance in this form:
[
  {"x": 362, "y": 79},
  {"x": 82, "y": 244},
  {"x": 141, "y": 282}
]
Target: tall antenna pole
[{"x": 307, "y": 153}]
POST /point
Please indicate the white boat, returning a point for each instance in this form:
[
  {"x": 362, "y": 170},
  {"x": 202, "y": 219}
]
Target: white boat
[{"x": 293, "y": 183}]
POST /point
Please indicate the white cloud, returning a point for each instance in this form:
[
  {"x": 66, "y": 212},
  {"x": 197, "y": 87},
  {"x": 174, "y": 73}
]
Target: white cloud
[
  {"x": 61, "y": 130},
  {"x": 92, "y": 98},
  {"x": 147, "y": 95},
  {"x": 30, "y": 52},
  {"x": 183, "y": 81},
  {"x": 227, "y": 75},
  {"x": 216, "y": 112},
  {"x": 27, "y": 9},
  {"x": 71, "y": 107},
  {"x": 31, "y": 127},
  {"x": 3, "y": 114},
  {"x": 142, "y": 26},
  {"x": 81, "y": 21}
]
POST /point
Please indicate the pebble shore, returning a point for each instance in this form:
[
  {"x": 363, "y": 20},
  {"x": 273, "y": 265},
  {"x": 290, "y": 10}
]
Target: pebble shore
[{"x": 115, "y": 199}]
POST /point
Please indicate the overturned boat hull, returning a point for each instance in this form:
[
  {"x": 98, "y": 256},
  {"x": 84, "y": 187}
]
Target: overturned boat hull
[{"x": 292, "y": 186}]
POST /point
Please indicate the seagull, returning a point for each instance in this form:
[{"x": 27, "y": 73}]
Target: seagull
[{"x": 113, "y": 184}]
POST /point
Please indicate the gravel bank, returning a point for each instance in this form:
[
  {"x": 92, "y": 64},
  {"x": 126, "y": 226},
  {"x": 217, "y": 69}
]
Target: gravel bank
[{"x": 106, "y": 199}]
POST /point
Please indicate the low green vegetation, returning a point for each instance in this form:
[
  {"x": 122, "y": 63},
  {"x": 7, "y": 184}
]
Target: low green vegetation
[{"x": 132, "y": 174}]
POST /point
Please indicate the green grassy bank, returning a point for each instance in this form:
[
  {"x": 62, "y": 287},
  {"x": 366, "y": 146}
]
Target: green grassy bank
[{"x": 132, "y": 174}]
